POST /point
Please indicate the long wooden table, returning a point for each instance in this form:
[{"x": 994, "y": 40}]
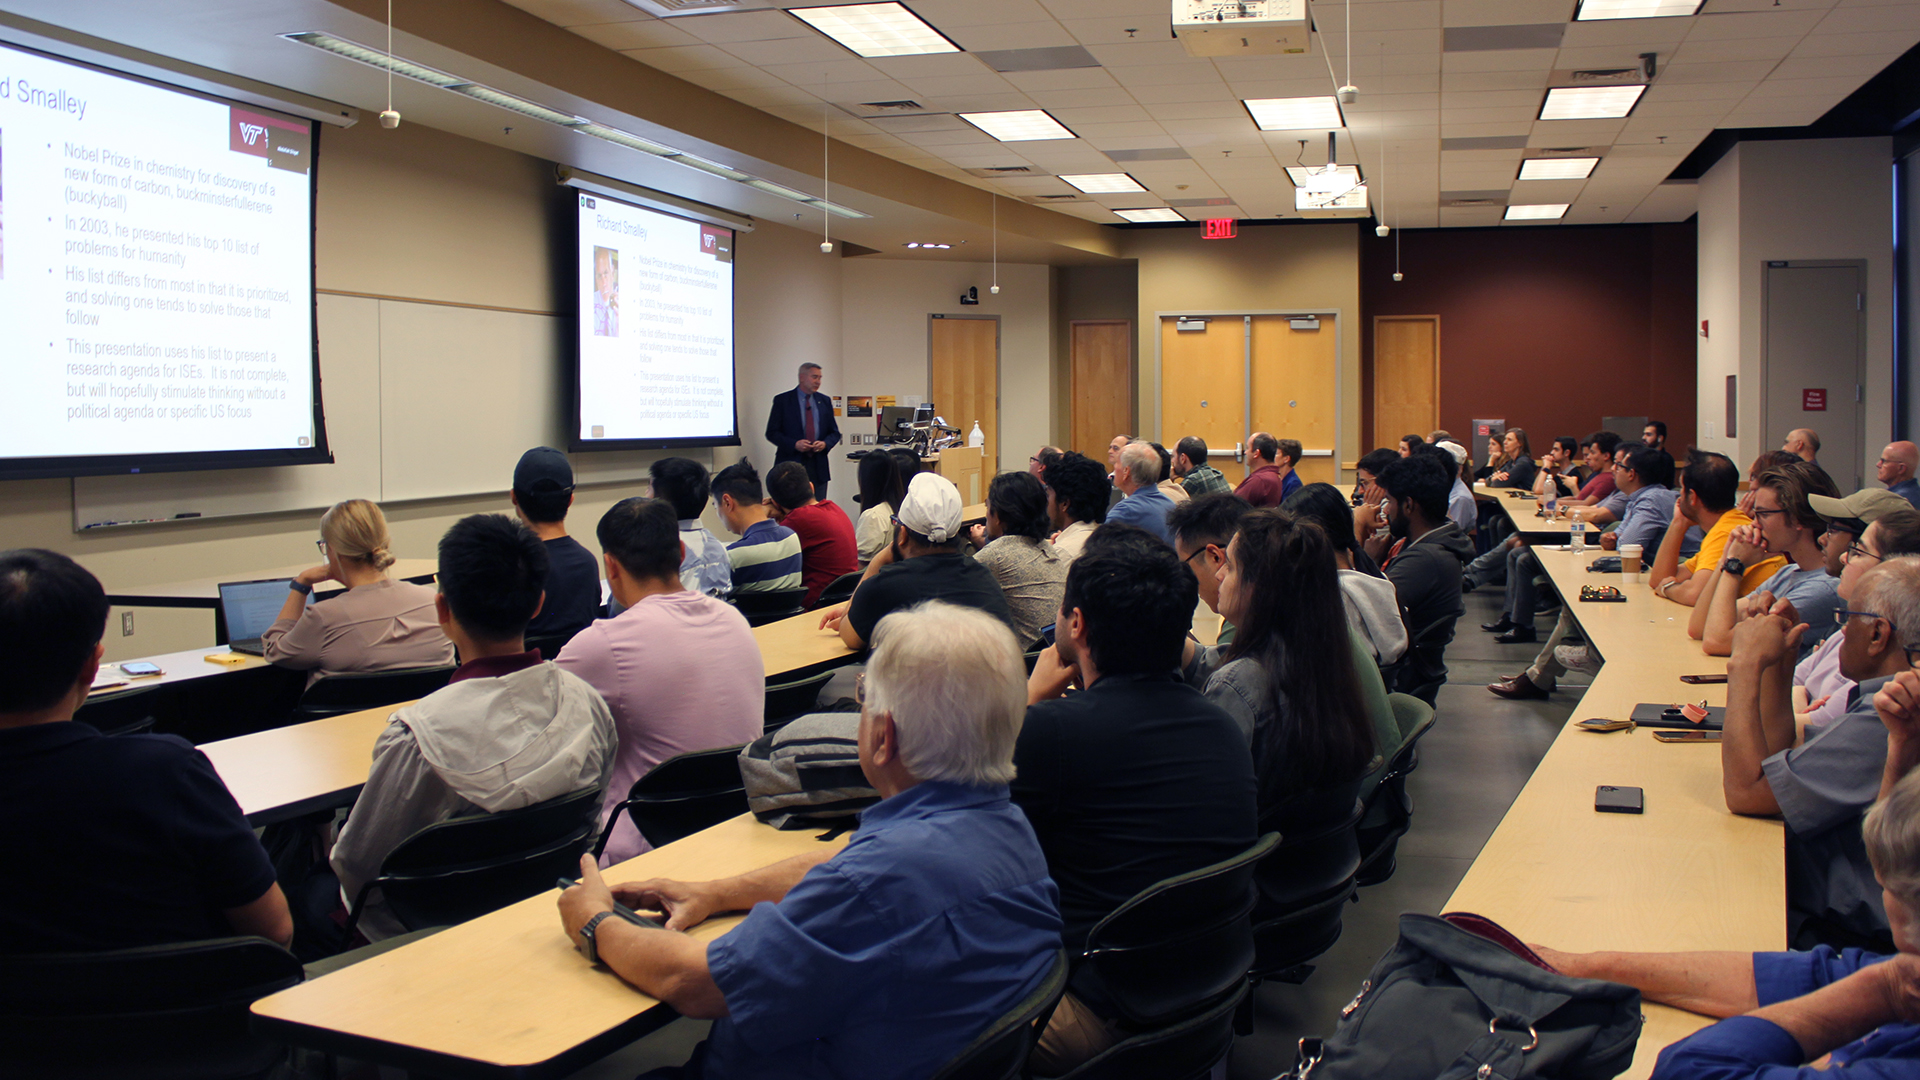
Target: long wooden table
[
  {"x": 1688, "y": 874},
  {"x": 506, "y": 995},
  {"x": 204, "y": 592}
]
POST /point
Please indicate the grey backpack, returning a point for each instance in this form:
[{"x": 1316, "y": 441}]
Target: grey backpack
[
  {"x": 1459, "y": 997},
  {"x": 807, "y": 774}
]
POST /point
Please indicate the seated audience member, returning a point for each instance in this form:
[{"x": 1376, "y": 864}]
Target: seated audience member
[
  {"x": 766, "y": 558},
  {"x": 1822, "y": 779},
  {"x": 1461, "y": 508},
  {"x": 1784, "y": 523},
  {"x": 1645, "y": 475},
  {"x": 906, "y": 461},
  {"x": 1709, "y": 493},
  {"x": 924, "y": 563},
  {"x": 508, "y": 731},
  {"x": 682, "y": 484},
  {"x": 1517, "y": 468},
  {"x": 1803, "y": 443},
  {"x": 1426, "y": 568},
  {"x": 1042, "y": 460},
  {"x": 1558, "y": 469},
  {"x": 1373, "y": 607},
  {"x": 1013, "y": 546},
  {"x": 1145, "y": 505},
  {"x": 1202, "y": 529},
  {"x": 1168, "y": 485},
  {"x": 1137, "y": 778},
  {"x": 1410, "y": 443},
  {"x": 880, "y": 491},
  {"x": 1896, "y": 468},
  {"x": 1288, "y": 462},
  {"x": 1494, "y": 567},
  {"x": 1596, "y": 456},
  {"x": 1368, "y": 515},
  {"x": 1655, "y": 434},
  {"x": 1496, "y": 458},
  {"x": 827, "y": 546},
  {"x": 377, "y": 624},
  {"x": 1864, "y": 531},
  {"x": 1263, "y": 484},
  {"x": 542, "y": 494},
  {"x": 1291, "y": 679},
  {"x": 885, "y": 959},
  {"x": 111, "y": 842},
  {"x": 1077, "y": 497},
  {"x": 1190, "y": 465},
  {"x": 1768, "y": 459},
  {"x": 1795, "y": 1014},
  {"x": 1117, "y": 444},
  {"x": 680, "y": 670}
]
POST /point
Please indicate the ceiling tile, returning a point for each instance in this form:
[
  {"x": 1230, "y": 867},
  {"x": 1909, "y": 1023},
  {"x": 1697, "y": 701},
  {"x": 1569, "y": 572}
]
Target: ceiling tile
[
  {"x": 1166, "y": 75},
  {"x": 1115, "y": 143},
  {"x": 1576, "y": 132},
  {"x": 572, "y": 13},
  {"x": 677, "y": 58},
  {"x": 1027, "y": 35},
  {"x": 1484, "y": 99},
  {"x": 1120, "y": 129},
  {"x": 1509, "y": 114},
  {"x": 1832, "y": 89},
  {"x": 1103, "y": 114},
  {"x": 1734, "y": 72},
  {"x": 1820, "y": 67},
  {"x": 945, "y": 85},
  {"x": 1182, "y": 92},
  {"x": 1601, "y": 56},
  {"x": 733, "y": 78},
  {"x": 934, "y": 65},
  {"x": 1641, "y": 34},
  {"x": 766, "y": 97},
  {"x": 1112, "y": 29},
  {"x": 1710, "y": 109},
  {"x": 1532, "y": 79},
  {"x": 1876, "y": 45},
  {"x": 1129, "y": 53},
  {"x": 1064, "y": 79},
  {"x": 850, "y": 70},
  {"x": 946, "y": 13},
  {"x": 853, "y": 93},
  {"x": 646, "y": 33},
  {"x": 1391, "y": 15},
  {"x": 1710, "y": 50},
  {"x": 969, "y": 137},
  {"x": 1503, "y": 38},
  {"x": 1506, "y": 12},
  {"x": 1056, "y": 101},
  {"x": 788, "y": 51},
  {"x": 1197, "y": 110},
  {"x": 978, "y": 102},
  {"x": 1499, "y": 60},
  {"x": 1271, "y": 68},
  {"x": 1854, "y": 20},
  {"x": 1289, "y": 88},
  {"x": 1419, "y": 82},
  {"x": 1474, "y": 131},
  {"x": 1785, "y": 22},
  {"x": 1545, "y": 191},
  {"x": 744, "y": 26},
  {"x": 1370, "y": 44}
]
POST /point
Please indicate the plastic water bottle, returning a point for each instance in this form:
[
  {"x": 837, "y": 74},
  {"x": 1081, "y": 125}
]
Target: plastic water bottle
[
  {"x": 1552, "y": 500},
  {"x": 1576, "y": 534},
  {"x": 978, "y": 437}
]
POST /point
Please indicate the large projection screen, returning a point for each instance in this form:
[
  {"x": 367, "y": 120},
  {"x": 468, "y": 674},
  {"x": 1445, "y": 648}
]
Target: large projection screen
[
  {"x": 655, "y": 334},
  {"x": 156, "y": 277}
]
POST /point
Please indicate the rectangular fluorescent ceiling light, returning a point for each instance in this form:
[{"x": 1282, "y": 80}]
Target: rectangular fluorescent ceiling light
[
  {"x": 513, "y": 103},
  {"x": 1300, "y": 174},
  {"x": 1142, "y": 217},
  {"x": 1573, "y": 168},
  {"x": 1591, "y": 10},
  {"x": 1021, "y": 125},
  {"x": 1103, "y": 183},
  {"x": 1295, "y": 113},
  {"x": 353, "y": 50},
  {"x": 1590, "y": 102},
  {"x": 876, "y": 29},
  {"x": 1537, "y": 212}
]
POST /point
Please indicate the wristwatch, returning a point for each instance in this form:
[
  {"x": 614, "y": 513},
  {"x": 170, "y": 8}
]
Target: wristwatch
[
  {"x": 296, "y": 586},
  {"x": 1732, "y": 565},
  {"x": 586, "y": 935}
]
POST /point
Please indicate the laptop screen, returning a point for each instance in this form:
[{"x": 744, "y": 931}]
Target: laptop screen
[{"x": 251, "y": 606}]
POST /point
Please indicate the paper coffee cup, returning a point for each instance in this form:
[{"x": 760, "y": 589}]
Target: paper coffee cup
[{"x": 1630, "y": 561}]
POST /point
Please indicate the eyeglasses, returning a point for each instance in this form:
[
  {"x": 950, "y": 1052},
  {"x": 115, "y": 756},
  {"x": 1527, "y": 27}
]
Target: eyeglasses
[
  {"x": 1756, "y": 512},
  {"x": 1913, "y": 655},
  {"x": 1197, "y": 552},
  {"x": 1840, "y": 617},
  {"x": 322, "y": 545},
  {"x": 1856, "y": 551},
  {"x": 860, "y": 688}
]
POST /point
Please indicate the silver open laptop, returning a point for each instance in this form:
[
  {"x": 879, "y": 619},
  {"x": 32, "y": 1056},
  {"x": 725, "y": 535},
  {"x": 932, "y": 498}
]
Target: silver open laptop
[{"x": 249, "y": 607}]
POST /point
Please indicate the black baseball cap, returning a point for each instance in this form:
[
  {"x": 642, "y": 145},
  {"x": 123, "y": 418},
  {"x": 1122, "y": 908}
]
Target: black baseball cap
[{"x": 543, "y": 469}]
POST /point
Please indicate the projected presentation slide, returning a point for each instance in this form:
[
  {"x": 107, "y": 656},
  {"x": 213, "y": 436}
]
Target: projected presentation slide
[
  {"x": 656, "y": 327},
  {"x": 155, "y": 270}
]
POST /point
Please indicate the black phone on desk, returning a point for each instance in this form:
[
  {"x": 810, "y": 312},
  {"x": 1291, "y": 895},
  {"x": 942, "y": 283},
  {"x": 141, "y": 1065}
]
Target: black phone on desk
[{"x": 1608, "y": 799}]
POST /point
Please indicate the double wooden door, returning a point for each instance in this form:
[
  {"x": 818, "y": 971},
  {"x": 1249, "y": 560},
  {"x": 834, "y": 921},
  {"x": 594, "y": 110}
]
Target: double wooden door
[{"x": 1233, "y": 375}]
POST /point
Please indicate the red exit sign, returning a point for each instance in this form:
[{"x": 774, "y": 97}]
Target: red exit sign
[{"x": 1220, "y": 228}]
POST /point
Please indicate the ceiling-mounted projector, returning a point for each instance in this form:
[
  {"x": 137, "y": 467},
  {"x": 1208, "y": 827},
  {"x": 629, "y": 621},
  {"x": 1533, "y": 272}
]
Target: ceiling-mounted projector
[{"x": 1241, "y": 27}]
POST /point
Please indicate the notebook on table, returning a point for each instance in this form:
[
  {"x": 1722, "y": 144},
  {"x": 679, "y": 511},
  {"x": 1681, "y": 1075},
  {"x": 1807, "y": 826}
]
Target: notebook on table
[{"x": 249, "y": 608}]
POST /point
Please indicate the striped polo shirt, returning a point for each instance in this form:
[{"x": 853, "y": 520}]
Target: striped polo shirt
[{"x": 766, "y": 558}]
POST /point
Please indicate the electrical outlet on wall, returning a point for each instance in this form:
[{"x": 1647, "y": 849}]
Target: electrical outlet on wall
[
  {"x": 126, "y": 624},
  {"x": 1709, "y": 432}
]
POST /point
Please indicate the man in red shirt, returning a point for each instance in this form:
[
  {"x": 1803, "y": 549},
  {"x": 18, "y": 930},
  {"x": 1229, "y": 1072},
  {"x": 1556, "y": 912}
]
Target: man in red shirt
[
  {"x": 827, "y": 547},
  {"x": 1264, "y": 486}
]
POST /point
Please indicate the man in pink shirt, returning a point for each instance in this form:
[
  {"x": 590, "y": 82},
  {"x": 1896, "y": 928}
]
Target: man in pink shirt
[{"x": 680, "y": 670}]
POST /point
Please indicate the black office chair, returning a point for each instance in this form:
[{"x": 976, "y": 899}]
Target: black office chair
[
  {"x": 121, "y": 712},
  {"x": 790, "y": 699},
  {"x": 159, "y": 1012},
  {"x": 1188, "y": 1050},
  {"x": 465, "y": 867},
  {"x": 1388, "y": 812},
  {"x": 1424, "y": 671},
  {"x": 682, "y": 795},
  {"x": 357, "y": 690},
  {"x": 1305, "y": 886},
  {"x": 838, "y": 591},
  {"x": 762, "y": 608},
  {"x": 1000, "y": 1052},
  {"x": 550, "y": 644}
]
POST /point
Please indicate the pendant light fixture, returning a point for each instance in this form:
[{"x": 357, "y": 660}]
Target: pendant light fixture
[
  {"x": 390, "y": 118},
  {"x": 826, "y": 173},
  {"x": 995, "y": 287}
]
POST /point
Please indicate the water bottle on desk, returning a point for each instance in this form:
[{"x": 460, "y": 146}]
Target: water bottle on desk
[
  {"x": 1576, "y": 532},
  {"x": 1551, "y": 501},
  {"x": 978, "y": 437}
]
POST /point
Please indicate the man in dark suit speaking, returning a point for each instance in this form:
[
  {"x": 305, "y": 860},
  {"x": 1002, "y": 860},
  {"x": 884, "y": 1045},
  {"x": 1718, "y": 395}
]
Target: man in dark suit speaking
[{"x": 801, "y": 428}]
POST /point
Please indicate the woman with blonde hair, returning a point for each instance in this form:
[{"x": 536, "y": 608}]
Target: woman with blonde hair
[{"x": 377, "y": 624}]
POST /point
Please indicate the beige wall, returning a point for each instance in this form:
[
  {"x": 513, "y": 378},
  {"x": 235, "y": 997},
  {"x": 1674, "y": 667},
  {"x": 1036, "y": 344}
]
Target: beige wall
[
  {"x": 1268, "y": 268},
  {"x": 1087, "y": 292}
]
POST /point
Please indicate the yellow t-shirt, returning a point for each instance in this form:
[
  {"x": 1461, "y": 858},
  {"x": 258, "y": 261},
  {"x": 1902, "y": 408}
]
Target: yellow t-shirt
[{"x": 1714, "y": 546}]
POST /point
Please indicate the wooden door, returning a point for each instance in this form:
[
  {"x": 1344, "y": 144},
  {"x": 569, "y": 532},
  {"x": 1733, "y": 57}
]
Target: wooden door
[
  {"x": 1101, "y": 385},
  {"x": 963, "y": 361},
  {"x": 1296, "y": 378},
  {"x": 1406, "y": 377},
  {"x": 1203, "y": 382}
]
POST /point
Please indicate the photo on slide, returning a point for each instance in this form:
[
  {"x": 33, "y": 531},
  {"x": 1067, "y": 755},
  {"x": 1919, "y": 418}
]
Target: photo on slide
[{"x": 606, "y": 292}]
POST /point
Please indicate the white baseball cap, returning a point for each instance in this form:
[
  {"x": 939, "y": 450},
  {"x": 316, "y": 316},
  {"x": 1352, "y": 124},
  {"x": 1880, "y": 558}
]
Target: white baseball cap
[{"x": 932, "y": 508}]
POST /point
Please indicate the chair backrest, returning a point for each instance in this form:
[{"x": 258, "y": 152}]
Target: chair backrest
[
  {"x": 790, "y": 699},
  {"x": 1305, "y": 886},
  {"x": 122, "y": 712},
  {"x": 459, "y": 869},
  {"x": 1191, "y": 1048},
  {"x": 761, "y": 608},
  {"x": 550, "y": 644},
  {"x": 1414, "y": 718},
  {"x": 1389, "y": 812},
  {"x": 839, "y": 590},
  {"x": 1424, "y": 670},
  {"x": 682, "y": 795},
  {"x": 158, "y": 1010},
  {"x": 356, "y": 690},
  {"x": 1178, "y": 944},
  {"x": 1000, "y": 1052}
]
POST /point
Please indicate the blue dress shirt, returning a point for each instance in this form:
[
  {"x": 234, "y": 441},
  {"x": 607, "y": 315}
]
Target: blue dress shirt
[
  {"x": 1908, "y": 489},
  {"x": 1148, "y": 508},
  {"x": 886, "y": 960},
  {"x": 1749, "y": 1048}
]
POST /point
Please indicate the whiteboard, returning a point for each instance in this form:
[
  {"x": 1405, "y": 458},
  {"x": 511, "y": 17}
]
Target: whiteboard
[{"x": 423, "y": 401}]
